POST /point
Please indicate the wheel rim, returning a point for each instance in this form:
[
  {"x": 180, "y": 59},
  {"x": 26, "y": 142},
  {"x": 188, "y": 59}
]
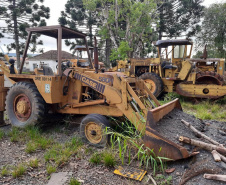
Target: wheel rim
[
  {"x": 22, "y": 107},
  {"x": 93, "y": 132},
  {"x": 150, "y": 84}
]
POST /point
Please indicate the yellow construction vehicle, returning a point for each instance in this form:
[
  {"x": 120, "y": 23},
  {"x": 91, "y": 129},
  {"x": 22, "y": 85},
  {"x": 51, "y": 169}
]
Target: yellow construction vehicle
[
  {"x": 201, "y": 78},
  {"x": 82, "y": 90}
]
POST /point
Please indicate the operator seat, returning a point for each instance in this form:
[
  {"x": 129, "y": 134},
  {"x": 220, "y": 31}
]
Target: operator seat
[
  {"x": 168, "y": 65},
  {"x": 47, "y": 71}
]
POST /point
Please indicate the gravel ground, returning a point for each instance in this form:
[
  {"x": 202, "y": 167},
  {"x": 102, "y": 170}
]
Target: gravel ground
[
  {"x": 201, "y": 163},
  {"x": 80, "y": 168}
]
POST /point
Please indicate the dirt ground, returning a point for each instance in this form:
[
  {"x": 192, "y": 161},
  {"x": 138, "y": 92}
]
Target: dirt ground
[{"x": 13, "y": 153}]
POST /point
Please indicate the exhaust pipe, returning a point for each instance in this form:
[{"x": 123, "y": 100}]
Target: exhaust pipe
[{"x": 96, "y": 62}]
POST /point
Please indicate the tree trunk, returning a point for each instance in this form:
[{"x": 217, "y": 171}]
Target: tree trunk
[
  {"x": 205, "y": 146},
  {"x": 215, "y": 177},
  {"x": 108, "y": 51},
  {"x": 200, "y": 134},
  {"x": 16, "y": 37}
]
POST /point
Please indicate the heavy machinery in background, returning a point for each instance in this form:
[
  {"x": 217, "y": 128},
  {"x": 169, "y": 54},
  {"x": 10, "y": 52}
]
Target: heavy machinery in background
[
  {"x": 82, "y": 90},
  {"x": 200, "y": 78}
]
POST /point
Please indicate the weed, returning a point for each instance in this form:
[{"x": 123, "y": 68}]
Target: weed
[
  {"x": 59, "y": 154},
  {"x": 163, "y": 180},
  {"x": 19, "y": 171},
  {"x": 88, "y": 150},
  {"x": 109, "y": 159},
  {"x": 33, "y": 132},
  {"x": 44, "y": 142},
  {"x": 75, "y": 143},
  {"x": 129, "y": 145},
  {"x": 50, "y": 169},
  {"x": 33, "y": 163},
  {"x": 95, "y": 158},
  {"x": 31, "y": 147},
  {"x": 2, "y": 134},
  {"x": 4, "y": 171},
  {"x": 16, "y": 135},
  {"x": 74, "y": 182}
]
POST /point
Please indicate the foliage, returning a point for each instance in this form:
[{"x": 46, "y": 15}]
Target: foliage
[
  {"x": 60, "y": 153},
  {"x": 74, "y": 182},
  {"x": 76, "y": 16},
  {"x": 129, "y": 21},
  {"x": 19, "y": 170},
  {"x": 5, "y": 171},
  {"x": 19, "y": 15},
  {"x": 1, "y": 134},
  {"x": 33, "y": 163},
  {"x": 95, "y": 158},
  {"x": 50, "y": 169},
  {"x": 122, "y": 52},
  {"x": 213, "y": 31},
  {"x": 128, "y": 142},
  {"x": 109, "y": 159},
  {"x": 179, "y": 16},
  {"x": 205, "y": 109}
]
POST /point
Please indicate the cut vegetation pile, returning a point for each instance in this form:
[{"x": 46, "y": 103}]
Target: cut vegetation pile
[{"x": 193, "y": 169}]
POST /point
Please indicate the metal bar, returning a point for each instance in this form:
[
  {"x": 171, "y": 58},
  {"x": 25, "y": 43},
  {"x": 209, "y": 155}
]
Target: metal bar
[
  {"x": 151, "y": 95},
  {"x": 25, "y": 52},
  {"x": 136, "y": 108},
  {"x": 59, "y": 51},
  {"x": 153, "y": 106},
  {"x": 87, "y": 48},
  {"x": 96, "y": 62}
]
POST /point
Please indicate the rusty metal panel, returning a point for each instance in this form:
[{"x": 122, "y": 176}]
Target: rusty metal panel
[{"x": 201, "y": 90}]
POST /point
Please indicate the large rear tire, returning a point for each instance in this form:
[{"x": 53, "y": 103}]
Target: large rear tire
[
  {"x": 153, "y": 82},
  {"x": 92, "y": 130},
  {"x": 24, "y": 105}
]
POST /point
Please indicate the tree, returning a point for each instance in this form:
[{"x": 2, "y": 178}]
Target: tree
[
  {"x": 18, "y": 15},
  {"x": 125, "y": 20},
  {"x": 178, "y": 16},
  {"x": 213, "y": 31},
  {"x": 76, "y": 17}
]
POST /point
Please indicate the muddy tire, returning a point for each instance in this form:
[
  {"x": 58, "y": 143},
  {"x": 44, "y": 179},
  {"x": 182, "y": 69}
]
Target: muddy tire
[
  {"x": 153, "y": 82},
  {"x": 92, "y": 130},
  {"x": 24, "y": 105}
]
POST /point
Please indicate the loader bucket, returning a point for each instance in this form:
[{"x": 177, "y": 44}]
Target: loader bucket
[{"x": 160, "y": 145}]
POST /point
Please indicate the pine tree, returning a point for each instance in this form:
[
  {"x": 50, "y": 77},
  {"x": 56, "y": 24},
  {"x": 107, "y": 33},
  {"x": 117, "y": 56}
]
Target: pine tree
[
  {"x": 178, "y": 16},
  {"x": 213, "y": 32},
  {"x": 19, "y": 15},
  {"x": 78, "y": 18}
]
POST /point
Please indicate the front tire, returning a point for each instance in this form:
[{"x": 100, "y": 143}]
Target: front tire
[
  {"x": 24, "y": 105},
  {"x": 92, "y": 130},
  {"x": 153, "y": 82}
]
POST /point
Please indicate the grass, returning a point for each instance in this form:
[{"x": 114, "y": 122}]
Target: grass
[
  {"x": 2, "y": 134},
  {"x": 17, "y": 135},
  {"x": 109, "y": 159},
  {"x": 50, "y": 169},
  {"x": 33, "y": 163},
  {"x": 74, "y": 182},
  {"x": 205, "y": 109},
  {"x": 5, "y": 171},
  {"x": 19, "y": 170},
  {"x": 95, "y": 158},
  {"x": 163, "y": 180},
  {"x": 127, "y": 142},
  {"x": 60, "y": 153}
]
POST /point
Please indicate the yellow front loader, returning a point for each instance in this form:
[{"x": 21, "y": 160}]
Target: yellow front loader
[{"x": 86, "y": 91}]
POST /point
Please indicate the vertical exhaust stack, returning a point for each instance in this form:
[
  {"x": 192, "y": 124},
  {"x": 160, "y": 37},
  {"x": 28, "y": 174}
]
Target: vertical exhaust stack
[{"x": 96, "y": 62}]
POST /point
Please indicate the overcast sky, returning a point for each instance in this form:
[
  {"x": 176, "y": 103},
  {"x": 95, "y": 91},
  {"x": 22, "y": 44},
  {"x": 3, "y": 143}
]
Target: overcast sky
[{"x": 55, "y": 9}]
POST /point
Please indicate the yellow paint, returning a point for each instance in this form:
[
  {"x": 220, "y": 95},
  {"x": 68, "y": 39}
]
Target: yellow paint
[{"x": 130, "y": 172}]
